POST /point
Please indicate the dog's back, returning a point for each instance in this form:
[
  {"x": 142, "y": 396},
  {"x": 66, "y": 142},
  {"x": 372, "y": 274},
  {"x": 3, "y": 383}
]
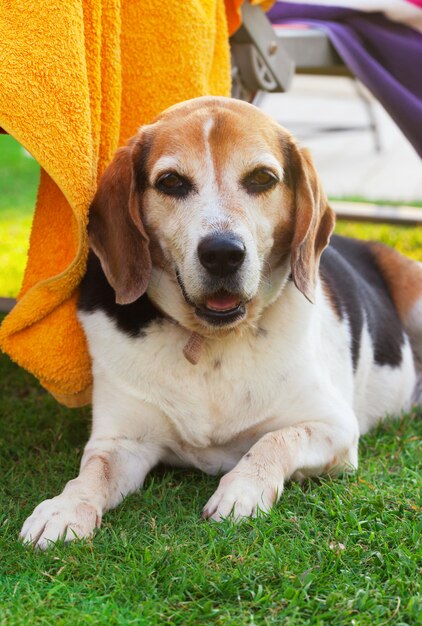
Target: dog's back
[{"x": 378, "y": 291}]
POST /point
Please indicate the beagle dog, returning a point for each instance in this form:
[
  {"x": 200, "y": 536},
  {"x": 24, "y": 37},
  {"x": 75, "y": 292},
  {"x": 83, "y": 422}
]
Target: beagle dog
[{"x": 225, "y": 335}]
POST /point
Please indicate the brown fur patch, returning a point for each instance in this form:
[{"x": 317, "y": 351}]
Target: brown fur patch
[
  {"x": 331, "y": 464},
  {"x": 313, "y": 221},
  {"x": 155, "y": 250},
  {"x": 331, "y": 298},
  {"x": 115, "y": 229},
  {"x": 403, "y": 276},
  {"x": 283, "y": 234},
  {"x": 104, "y": 462}
]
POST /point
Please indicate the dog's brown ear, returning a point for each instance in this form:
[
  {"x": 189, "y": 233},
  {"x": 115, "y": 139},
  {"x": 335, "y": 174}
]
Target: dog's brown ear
[
  {"x": 313, "y": 221},
  {"x": 115, "y": 227}
]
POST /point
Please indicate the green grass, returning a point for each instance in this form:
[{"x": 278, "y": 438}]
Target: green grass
[
  {"x": 343, "y": 551},
  {"x": 335, "y": 552},
  {"x": 380, "y": 201},
  {"x": 19, "y": 176},
  {"x": 405, "y": 239}
]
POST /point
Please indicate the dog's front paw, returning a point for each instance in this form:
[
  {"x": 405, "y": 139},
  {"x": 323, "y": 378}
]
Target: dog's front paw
[
  {"x": 60, "y": 518},
  {"x": 239, "y": 496}
]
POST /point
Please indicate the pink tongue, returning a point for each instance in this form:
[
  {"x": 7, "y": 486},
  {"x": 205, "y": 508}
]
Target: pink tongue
[{"x": 222, "y": 302}]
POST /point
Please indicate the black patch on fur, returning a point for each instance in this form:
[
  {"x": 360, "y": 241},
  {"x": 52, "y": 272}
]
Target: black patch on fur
[
  {"x": 96, "y": 294},
  {"x": 350, "y": 270}
]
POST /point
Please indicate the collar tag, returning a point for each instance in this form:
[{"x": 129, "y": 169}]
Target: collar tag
[{"x": 193, "y": 348}]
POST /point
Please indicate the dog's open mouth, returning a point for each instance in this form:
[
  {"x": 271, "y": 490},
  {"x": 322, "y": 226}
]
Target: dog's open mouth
[{"x": 221, "y": 308}]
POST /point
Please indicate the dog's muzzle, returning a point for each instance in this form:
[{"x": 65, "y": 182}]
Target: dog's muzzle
[{"x": 221, "y": 255}]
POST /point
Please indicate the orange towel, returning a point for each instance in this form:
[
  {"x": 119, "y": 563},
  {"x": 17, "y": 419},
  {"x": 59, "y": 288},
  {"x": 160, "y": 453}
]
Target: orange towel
[{"x": 77, "y": 79}]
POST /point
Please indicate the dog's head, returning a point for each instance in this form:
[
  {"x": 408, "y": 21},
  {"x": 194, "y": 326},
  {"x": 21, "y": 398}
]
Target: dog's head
[{"x": 210, "y": 208}]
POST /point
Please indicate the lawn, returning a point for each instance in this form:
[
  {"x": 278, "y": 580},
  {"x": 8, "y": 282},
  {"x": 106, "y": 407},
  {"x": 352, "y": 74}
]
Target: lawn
[
  {"x": 337, "y": 552},
  {"x": 19, "y": 175},
  {"x": 334, "y": 552}
]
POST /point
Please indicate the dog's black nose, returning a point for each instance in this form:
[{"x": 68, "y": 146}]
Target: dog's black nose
[{"x": 222, "y": 254}]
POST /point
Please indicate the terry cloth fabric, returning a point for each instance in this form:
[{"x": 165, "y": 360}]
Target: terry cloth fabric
[
  {"x": 78, "y": 77},
  {"x": 385, "y": 55}
]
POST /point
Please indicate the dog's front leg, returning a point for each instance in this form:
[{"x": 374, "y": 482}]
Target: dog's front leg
[
  {"x": 111, "y": 468},
  {"x": 257, "y": 481}
]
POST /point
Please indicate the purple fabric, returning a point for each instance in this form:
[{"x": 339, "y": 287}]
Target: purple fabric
[{"x": 384, "y": 55}]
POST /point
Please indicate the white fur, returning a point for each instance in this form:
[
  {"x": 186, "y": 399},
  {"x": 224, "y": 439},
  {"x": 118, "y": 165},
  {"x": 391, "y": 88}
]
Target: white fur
[
  {"x": 266, "y": 159},
  {"x": 164, "y": 164}
]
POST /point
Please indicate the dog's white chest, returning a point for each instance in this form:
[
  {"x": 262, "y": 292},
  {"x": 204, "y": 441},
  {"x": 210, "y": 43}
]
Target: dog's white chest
[
  {"x": 230, "y": 390},
  {"x": 227, "y": 392}
]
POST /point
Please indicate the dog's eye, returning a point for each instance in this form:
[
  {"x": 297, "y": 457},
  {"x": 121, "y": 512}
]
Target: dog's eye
[
  {"x": 259, "y": 180},
  {"x": 173, "y": 184}
]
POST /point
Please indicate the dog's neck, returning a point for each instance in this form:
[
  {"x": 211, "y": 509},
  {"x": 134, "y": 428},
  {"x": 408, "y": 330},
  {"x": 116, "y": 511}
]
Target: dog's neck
[{"x": 166, "y": 296}]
